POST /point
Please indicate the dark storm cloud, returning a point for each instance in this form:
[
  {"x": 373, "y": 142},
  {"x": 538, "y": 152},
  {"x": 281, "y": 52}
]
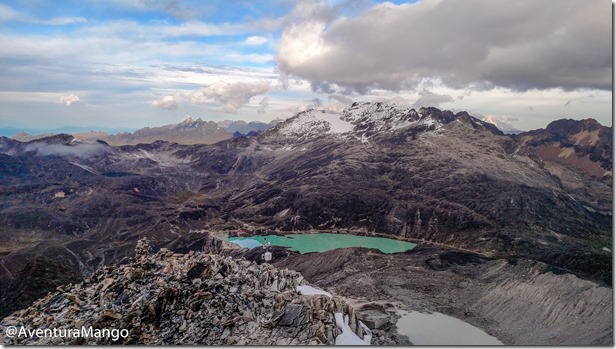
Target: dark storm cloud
[{"x": 521, "y": 45}]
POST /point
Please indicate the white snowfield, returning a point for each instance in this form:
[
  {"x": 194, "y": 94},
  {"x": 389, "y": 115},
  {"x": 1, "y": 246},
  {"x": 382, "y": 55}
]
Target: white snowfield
[
  {"x": 347, "y": 337},
  {"x": 336, "y": 124},
  {"x": 309, "y": 290},
  {"x": 313, "y": 123}
]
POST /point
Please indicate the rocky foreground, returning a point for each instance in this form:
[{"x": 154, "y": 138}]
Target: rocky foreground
[{"x": 195, "y": 298}]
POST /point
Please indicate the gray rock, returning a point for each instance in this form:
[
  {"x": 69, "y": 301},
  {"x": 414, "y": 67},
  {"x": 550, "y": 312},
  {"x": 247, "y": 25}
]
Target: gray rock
[
  {"x": 293, "y": 315},
  {"x": 374, "y": 318}
]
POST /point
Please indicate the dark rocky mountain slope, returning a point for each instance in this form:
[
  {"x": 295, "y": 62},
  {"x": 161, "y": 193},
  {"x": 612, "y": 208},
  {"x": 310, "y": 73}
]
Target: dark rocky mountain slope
[
  {"x": 428, "y": 175},
  {"x": 579, "y": 154}
]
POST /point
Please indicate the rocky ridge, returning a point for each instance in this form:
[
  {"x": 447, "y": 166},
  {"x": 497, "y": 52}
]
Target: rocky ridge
[
  {"x": 195, "y": 298},
  {"x": 245, "y": 128},
  {"x": 188, "y": 131}
]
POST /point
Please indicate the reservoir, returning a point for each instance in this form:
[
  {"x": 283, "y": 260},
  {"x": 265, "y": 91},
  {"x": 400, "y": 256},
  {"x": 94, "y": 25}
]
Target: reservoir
[
  {"x": 440, "y": 329},
  {"x": 305, "y": 243}
]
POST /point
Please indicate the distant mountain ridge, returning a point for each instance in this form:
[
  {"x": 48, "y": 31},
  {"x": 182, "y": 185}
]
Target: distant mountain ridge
[
  {"x": 189, "y": 131},
  {"x": 23, "y": 133},
  {"x": 242, "y": 127}
]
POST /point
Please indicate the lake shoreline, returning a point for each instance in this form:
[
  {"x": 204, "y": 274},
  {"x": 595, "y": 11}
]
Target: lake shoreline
[{"x": 322, "y": 242}]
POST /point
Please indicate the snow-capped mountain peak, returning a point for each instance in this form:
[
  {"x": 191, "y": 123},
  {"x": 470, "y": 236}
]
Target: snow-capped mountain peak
[
  {"x": 502, "y": 124},
  {"x": 364, "y": 120},
  {"x": 360, "y": 121},
  {"x": 370, "y": 119}
]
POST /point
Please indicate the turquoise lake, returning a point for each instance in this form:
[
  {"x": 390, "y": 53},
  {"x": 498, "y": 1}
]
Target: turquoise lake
[{"x": 305, "y": 243}]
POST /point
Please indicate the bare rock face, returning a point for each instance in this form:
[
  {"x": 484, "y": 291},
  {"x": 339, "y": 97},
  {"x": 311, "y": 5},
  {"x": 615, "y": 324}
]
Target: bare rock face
[
  {"x": 579, "y": 155},
  {"x": 194, "y": 298},
  {"x": 580, "y": 143}
]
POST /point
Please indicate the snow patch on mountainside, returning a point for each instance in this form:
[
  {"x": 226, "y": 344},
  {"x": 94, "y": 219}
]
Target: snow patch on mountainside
[
  {"x": 309, "y": 290},
  {"x": 371, "y": 119},
  {"x": 162, "y": 158},
  {"x": 314, "y": 123},
  {"x": 379, "y": 116},
  {"x": 304, "y": 124},
  {"x": 337, "y": 125},
  {"x": 348, "y": 337}
]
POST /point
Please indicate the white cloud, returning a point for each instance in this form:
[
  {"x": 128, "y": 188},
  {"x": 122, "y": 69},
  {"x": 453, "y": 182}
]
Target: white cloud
[
  {"x": 527, "y": 44},
  {"x": 431, "y": 99},
  {"x": 255, "y": 40},
  {"x": 399, "y": 101},
  {"x": 168, "y": 102},
  {"x": 30, "y": 97},
  {"x": 69, "y": 100},
  {"x": 299, "y": 44},
  {"x": 80, "y": 150},
  {"x": 197, "y": 28},
  {"x": 249, "y": 58},
  {"x": 341, "y": 99},
  {"x": 335, "y": 107},
  {"x": 503, "y": 123},
  {"x": 122, "y": 43},
  {"x": 263, "y": 105},
  {"x": 62, "y": 20},
  {"x": 232, "y": 96},
  {"x": 8, "y": 14},
  {"x": 304, "y": 11}
]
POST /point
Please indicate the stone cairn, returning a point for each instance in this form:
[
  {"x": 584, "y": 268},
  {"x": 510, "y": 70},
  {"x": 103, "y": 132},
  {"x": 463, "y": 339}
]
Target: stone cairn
[{"x": 194, "y": 298}]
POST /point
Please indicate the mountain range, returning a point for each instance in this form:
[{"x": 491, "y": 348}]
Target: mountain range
[
  {"x": 430, "y": 176},
  {"x": 189, "y": 131}
]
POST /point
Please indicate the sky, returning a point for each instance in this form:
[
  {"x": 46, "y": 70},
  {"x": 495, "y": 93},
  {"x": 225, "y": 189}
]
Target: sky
[{"x": 128, "y": 64}]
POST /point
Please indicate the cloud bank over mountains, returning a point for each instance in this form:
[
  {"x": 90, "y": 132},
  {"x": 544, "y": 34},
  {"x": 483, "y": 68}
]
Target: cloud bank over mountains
[{"x": 520, "y": 45}]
